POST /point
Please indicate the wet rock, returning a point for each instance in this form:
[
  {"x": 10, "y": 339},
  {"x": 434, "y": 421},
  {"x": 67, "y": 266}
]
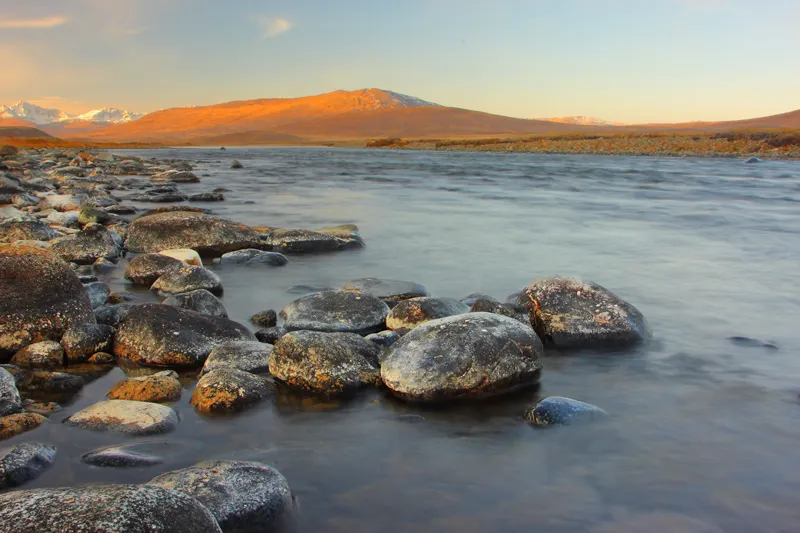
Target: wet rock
[
  {"x": 557, "y": 410},
  {"x": 24, "y": 462},
  {"x": 183, "y": 229},
  {"x": 123, "y": 456},
  {"x": 14, "y": 370},
  {"x": 45, "y": 354},
  {"x": 83, "y": 341},
  {"x": 112, "y": 315},
  {"x": 175, "y": 176},
  {"x": 160, "y": 387},
  {"x": 752, "y": 160},
  {"x": 570, "y": 313},
  {"x": 17, "y": 424},
  {"x": 41, "y": 408},
  {"x": 132, "y": 418},
  {"x": 250, "y": 356},
  {"x": 465, "y": 356},
  {"x": 244, "y": 497},
  {"x": 62, "y": 202},
  {"x": 8, "y": 150},
  {"x": 150, "y": 196},
  {"x": 207, "y": 197},
  {"x": 236, "y": 164},
  {"x": 187, "y": 255},
  {"x": 752, "y": 343},
  {"x": 389, "y": 290},
  {"x": 326, "y": 363},
  {"x": 228, "y": 389},
  {"x": 200, "y": 301},
  {"x": 253, "y": 257},
  {"x": 52, "y": 382},
  {"x": 104, "y": 509},
  {"x": 187, "y": 279},
  {"x": 104, "y": 266},
  {"x": 270, "y": 335},
  {"x": 65, "y": 220},
  {"x": 121, "y": 210},
  {"x": 102, "y": 358},
  {"x": 25, "y": 230},
  {"x": 120, "y": 297},
  {"x": 40, "y": 297},
  {"x": 299, "y": 241},
  {"x": 265, "y": 319},
  {"x": 98, "y": 294},
  {"x": 93, "y": 215},
  {"x": 84, "y": 248},
  {"x": 336, "y": 311},
  {"x": 384, "y": 338},
  {"x": 10, "y": 401},
  {"x": 409, "y": 314},
  {"x": 517, "y": 312},
  {"x": 146, "y": 269},
  {"x": 162, "y": 335}
]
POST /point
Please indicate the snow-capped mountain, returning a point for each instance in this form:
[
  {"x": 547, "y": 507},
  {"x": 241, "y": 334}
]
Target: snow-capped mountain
[
  {"x": 109, "y": 115},
  {"x": 583, "y": 121},
  {"x": 43, "y": 116},
  {"x": 374, "y": 99}
]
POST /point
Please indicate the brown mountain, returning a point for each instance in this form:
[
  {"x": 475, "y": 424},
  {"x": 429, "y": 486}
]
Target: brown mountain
[{"x": 21, "y": 132}]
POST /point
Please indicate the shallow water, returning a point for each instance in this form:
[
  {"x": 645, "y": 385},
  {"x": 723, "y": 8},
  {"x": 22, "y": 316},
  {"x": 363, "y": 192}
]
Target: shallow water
[{"x": 703, "y": 434}]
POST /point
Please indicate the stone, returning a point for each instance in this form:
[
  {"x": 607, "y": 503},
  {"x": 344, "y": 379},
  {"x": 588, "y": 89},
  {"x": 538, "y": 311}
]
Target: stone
[
  {"x": 187, "y": 255},
  {"x": 14, "y": 230},
  {"x": 93, "y": 215},
  {"x": 749, "y": 342},
  {"x": 325, "y": 363},
  {"x": 184, "y": 229},
  {"x": 199, "y": 300},
  {"x": 557, "y": 410},
  {"x": 124, "y": 456},
  {"x": 125, "y": 416},
  {"x": 147, "y": 268},
  {"x": 102, "y": 358},
  {"x": 45, "y": 354},
  {"x": 265, "y": 319},
  {"x": 24, "y": 462},
  {"x": 336, "y": 311},
  {"x": 62, "y": 202},
  {"x": 162, "y": 335},
  {"x": 752, "y": 160},
  {"x": 175, "y": 176},
  {"x": 52, "y": 382},
  {"x": 253, "y": 257},
  {"x": 42, "y": 408},
  {"x": 68, "y": 219},
  {"x": 250, "y": 356},
  {"x": 7, "y": 150},
  {"x": 244, "y": 497},
  {"x": 236, "y": 164},
  {"x": 187, "y": 279},
  {"x": 157, "y": 388},
  {"x": 92, "y": 243},
  {"x": 409, "y": 314},
  {"x": 517, "y": 312},
  {"x": 10, "y": 401},
  {"x": 570, "y": 313},
  {"x": 270, "y": 335},
  {"x": 40, "y": 297},
  {"x": 229, "y": 389},
  {"x": 83, "y": 341},
  {"x": 14, "y": 370},
  {"x": 389, "y": 290},
  {"x": 300, "y": 241},
  {"x": 384, "y": 338},
  {"x": 98, "y": 294},
  {"x": 18, "y": 423},
  {"x": 104, "y": 509},
  {"x": 150, "y": 196},
  {"x": 474, "y": 355},
  {"x": 112, "y": 315},
  {"x": 207, "y": 197}
]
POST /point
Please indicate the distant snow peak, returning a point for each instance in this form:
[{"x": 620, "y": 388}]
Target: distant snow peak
[
  {"x": 373, "y": 99},
  {"x": 403, "y": 100},
  {"x": 109, "y": 114},
  {"x": 583, "y": 121},
  {"x": 42, "y": 116}
]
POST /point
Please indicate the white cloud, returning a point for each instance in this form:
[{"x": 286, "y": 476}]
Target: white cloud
[
  {"x": 273, "y": 26},
  {"x": 35, "y": 24}
]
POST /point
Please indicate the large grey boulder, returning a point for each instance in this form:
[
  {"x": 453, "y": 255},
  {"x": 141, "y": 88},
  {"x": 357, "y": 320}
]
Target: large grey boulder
[
  {"x": 81, "y": 342},
  {"x": 186, "y": 229},
  {"x": 126, "y": 416},
  {"x": 250, "y": 356},
  {"x": 104, "y": 509},
  {"x": 199, "y": 300},
  {"x": 92, "y": 243},
  {"x": 227, "y": 388},
  {"x": 465, "y": 356},
  {"x": 10, "y": 401},
  {"x": 571, "y": 313},
  {"x": 24, "y": 462},
  {"x": 253, "y": 257},
  {"x": 147, "y": 268},
  {"x": 187, "y": 279},
  {"x": 336, "y": 311}
]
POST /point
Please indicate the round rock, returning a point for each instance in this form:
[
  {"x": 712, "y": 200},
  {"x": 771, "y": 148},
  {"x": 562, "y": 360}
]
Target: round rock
[
  {"x": 228, "y": 389},
  {"x": 336, "y": 311},
  {"x": 10, "y": 401},
  {"x": 517, "y": 312},
  {"x": 388, "y": 290},
  {"x": 186, "y": 229},
  {"x": 250, "y": 356},
  {"x": 253, "y": 257},
  {"x": 45, "y": 354},
  {"x": 98, "y": 293},
  {"x": 409, "y": 314},
  {"x": 147, "y": 268},
  {"x": 200, "y": 301},
  {"x": 81, "y": 342},
  {"x": 92, "y": 243},
  {"x": 125, "y": 456},
  {"x": 19, "y": 423},
  {"x": 24, "y": 462},
  {"x": 265, "y": 319},
  {"x": 132, "y": 418},
  {"x": 187, "y": 279},
  {"x": 160, "y": 387},
  {"x": 466, "y": 356},
  {"x": 25, "y": 230},
  {"x": 557, "y": 410}
]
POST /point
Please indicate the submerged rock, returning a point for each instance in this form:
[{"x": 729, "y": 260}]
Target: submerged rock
[
  {"x": 250, "y": 356},
  {"x": 207, "y": 197},
  {"x": 384, "y": 338},
  {"x": 98, "y": 293},
  {"x": 52, "y": 382},
  {"x": 157, "y": 388},
  {"x": 40, "y": 297},
  {"x": 175, "y": 176},
  {"x": 24, "y": 462},
  {"x": 253, "y": 257},
  {"x": 409, "y": 314},
  {"x": 244, "y": 497},
  {"x": 752, "y": 160},
  {"x": 10, "y": 401},
  {"x": 130, "y": 417},
  {"x": 92, "y": 243},
  {"x": 465, "y": 356},
  {"x": 270, "y": 335},
  {"x": 236, "y": 164},
  {"x": 185, "y": 229},
  {"x": 389, "y": 290},
  {"x": 336, "y": 311},
  {"x": 752, "y": 343},
  {"x": 146, "y": 269},
  {"x": 162, "y": 335},
  {"x": 300, "y": 241},
  {"x": 123, "y": 456},
  {"x": 18, "y": 423},
  {"x": 199, "y": 300},
  {"x": 104, "y": 509},
  {"x": 557, "y": 410},
  {"x": 326, "y": 363},
  {"x": 570, "y": 313},
  {"x": 265, "y": 319},
  {"x": 187, "y": 279},
  {"x": 82, "y": 342},
  {"x": 45, "y": 354},
  {"x": 471, "y": 299},
  {"x": 229, "y": 389}
]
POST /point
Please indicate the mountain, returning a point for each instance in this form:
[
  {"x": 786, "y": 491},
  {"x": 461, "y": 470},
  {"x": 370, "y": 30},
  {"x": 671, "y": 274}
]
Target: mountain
[
  {"x": 33, "y": 113},
  {"x": 7, "y": 131},
  {"x": 108, "y": 115},
  {"x": 58, "y": 122},
  {"x": 582, "y": 121}
]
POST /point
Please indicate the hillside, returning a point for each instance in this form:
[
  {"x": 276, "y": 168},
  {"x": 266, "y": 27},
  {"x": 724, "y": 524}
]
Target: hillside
[{"x": 20, "y": 132}]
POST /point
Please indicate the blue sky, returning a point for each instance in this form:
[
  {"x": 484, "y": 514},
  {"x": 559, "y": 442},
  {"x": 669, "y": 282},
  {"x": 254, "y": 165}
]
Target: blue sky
[{"x": 627, "y": 60}]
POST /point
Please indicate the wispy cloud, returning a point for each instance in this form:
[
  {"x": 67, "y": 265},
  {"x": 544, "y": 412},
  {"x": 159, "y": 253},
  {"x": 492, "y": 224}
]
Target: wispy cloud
[
  {"x": 273, "y": 26},
  {"x": 42, "y": 23}
]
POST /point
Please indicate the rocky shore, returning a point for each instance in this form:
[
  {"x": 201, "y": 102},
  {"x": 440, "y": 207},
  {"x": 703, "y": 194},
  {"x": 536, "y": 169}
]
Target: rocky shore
[{"x": 66, "y": 216}]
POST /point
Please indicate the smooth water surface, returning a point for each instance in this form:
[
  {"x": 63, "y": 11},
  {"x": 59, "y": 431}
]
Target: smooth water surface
[{"x": 704, "y": 434}]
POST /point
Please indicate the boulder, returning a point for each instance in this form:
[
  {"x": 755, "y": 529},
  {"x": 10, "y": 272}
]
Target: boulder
[
  {"x": 45, "y": 354},
  {"x": 253, "y": 257},
  {"x": 229, "y": 389},
  {"x": 18, "y": 423},
  {"x": 40, "y": 297},
  {"x": 265, "y": 319},
  {"x": 184, "y": 229},
  {"x": 187, "y": 279},
  {"x": 244, "y": 497},
  {"x": 200, "y": 301},
  {"x": 175, "y": 176},
  {"x": 250, "y": 356},
  {"x": 517, "y": 312},
  {"x": 409, "y": 314},
  {"x": 112, "y": 315},
  {"x": 384, "y": 338},
  {"x": 52, "y": 382},
  {"x": 336, "y": 311},
  {"x": 68, "y": 219},
  {"x": 146, "y": 269},
  {"x": 300, "y": 241},
  {"x": 125, "y": 416},
  {"x": 98, "y": 293},
  {"x": 104, "y": 509},
  {"x": 10, "y": 401},
  {"x": 270, "y": 335},
  {"x": 236, "y": 164},
  {"x": 187, "y": 255},
  {"x": 83, "y": 341},
  {"x": 92, "y": 243},
  {"x": 326, "y": 363},
  {"x": 207, "y": 197},
  {"x": 557, "y": 410},
  {"x": 570, "y": 313},
  {"x": 389, "y": 290},
  {"x": 161, "y": 387},
  {"x": 24, "y": 462},
  {"x": 162, "y": 335},
  {"x": 465, "y": 356},
  {"x": 13, "y": 230}
]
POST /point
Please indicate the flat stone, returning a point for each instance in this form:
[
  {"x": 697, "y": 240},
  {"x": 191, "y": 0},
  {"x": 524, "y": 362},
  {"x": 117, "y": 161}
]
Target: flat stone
[
  {"x": 24, "y": 462},
  {"x": 187, "y": 279},
  {"x": 25, "y": 230},
  {"x": 199, "y": 300},
  {"x": 250, "y": 356},
  {"x": 388, "y": 290},
  {"x": 336, "y": 311},
  {"x": 18, "y": 423},
  {"x": 52, "y": 382},
  {"x": 45, "y": 354},
  {"x": 123, "y": 456},
  {"x": 413, "y": 312},
  {"x": 175, "y": 176},
  {"x": 132, "y": 418},
  {"x": 183, "y": 229},
  {"x": 187, "y": 255},
  {"x": 253, "y": 257},
  {"x": 557, "y": 410},
  {"x": 161, "y": 387}
]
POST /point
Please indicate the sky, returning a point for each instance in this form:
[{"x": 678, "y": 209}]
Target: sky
[{"x": 622, "y": 60}]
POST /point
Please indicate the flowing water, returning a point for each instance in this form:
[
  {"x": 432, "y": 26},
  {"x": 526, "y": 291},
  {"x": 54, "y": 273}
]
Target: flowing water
[{"x": 703, "y": 434}]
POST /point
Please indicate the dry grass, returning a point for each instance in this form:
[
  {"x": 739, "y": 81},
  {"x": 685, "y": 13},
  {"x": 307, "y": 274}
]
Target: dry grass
[{"x": 52, "y": 142}]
